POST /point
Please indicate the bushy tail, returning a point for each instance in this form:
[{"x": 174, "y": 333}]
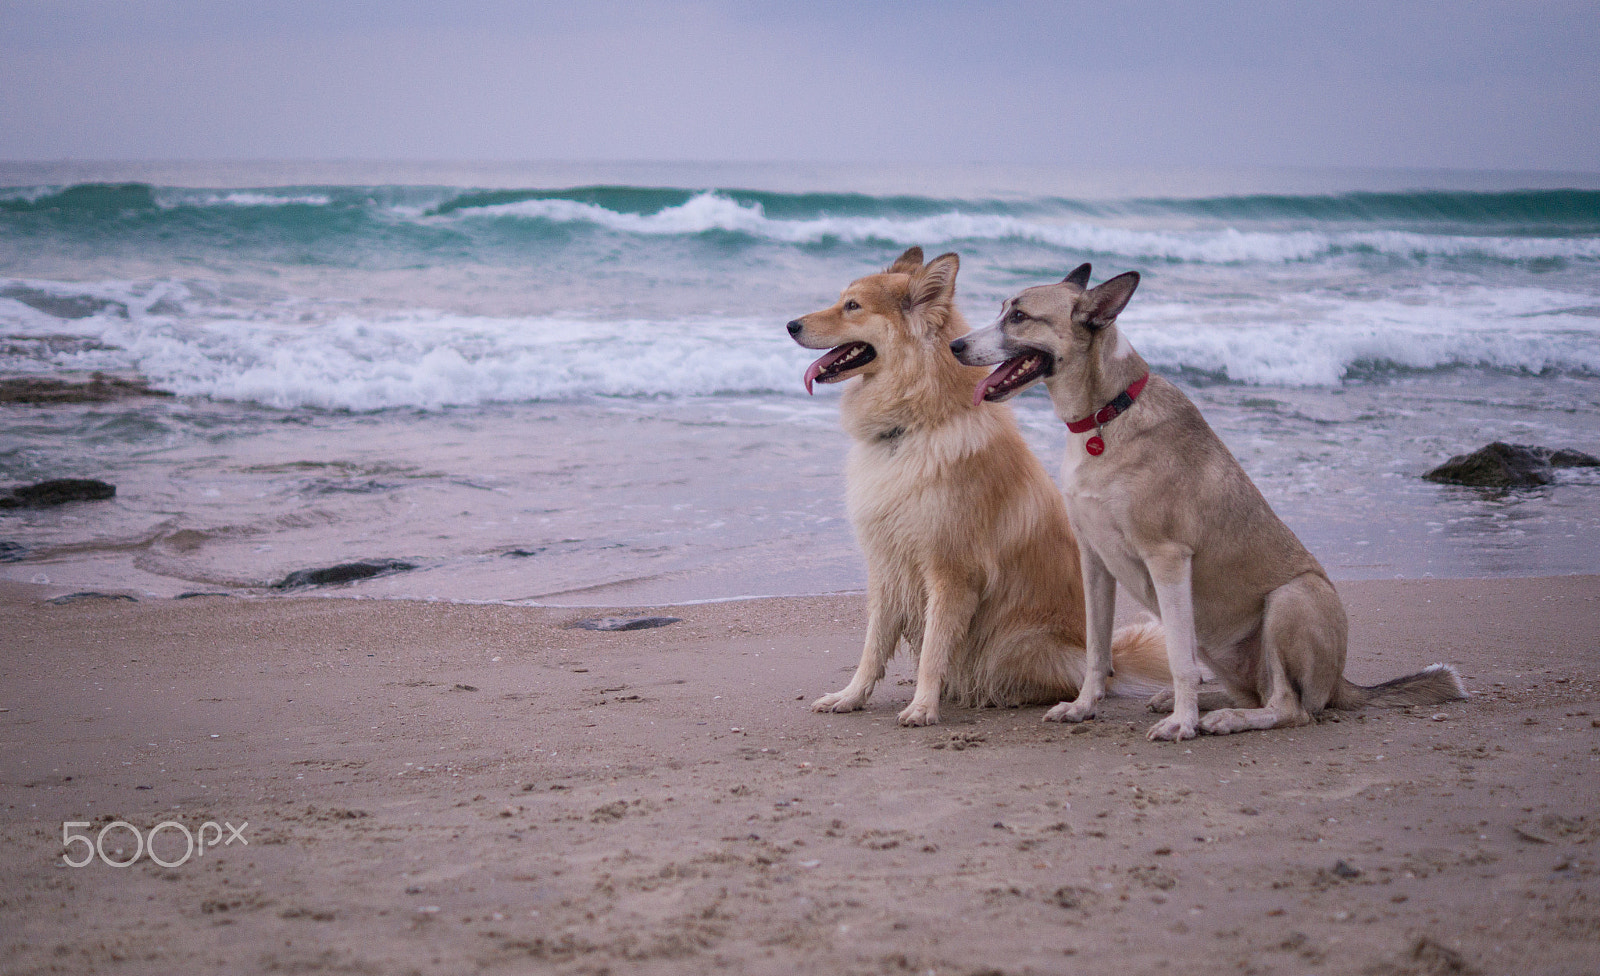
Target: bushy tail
[
  {"x": 1139, "y": 660},
  {"x": 1432, "y": 685}
]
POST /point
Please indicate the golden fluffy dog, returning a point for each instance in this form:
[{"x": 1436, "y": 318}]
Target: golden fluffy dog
[{"x": 969, "y": 554}]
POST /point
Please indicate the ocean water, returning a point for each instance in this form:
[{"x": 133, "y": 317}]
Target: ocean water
[{"x": 571, "y": 384}]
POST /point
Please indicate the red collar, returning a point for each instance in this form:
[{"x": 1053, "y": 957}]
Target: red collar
[{"x": 1109, "y": 412}]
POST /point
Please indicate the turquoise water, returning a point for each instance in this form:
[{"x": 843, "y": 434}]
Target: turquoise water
[{"x": 452, "y": 364}]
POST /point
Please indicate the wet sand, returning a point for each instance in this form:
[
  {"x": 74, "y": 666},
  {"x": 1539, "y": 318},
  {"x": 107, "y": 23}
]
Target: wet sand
[{"x": 442, "y": 788}]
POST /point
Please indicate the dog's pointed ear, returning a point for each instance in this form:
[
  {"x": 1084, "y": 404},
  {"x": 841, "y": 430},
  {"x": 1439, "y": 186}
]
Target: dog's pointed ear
[
  {"x": 907, "y": 263},
  {"x": 935, "y": 282},
  {"x": 1079, "y": 276},
  {"x": 1101, "y": 304}
]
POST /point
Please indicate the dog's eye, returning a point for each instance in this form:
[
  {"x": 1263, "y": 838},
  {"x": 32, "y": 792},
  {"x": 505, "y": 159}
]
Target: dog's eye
[
  {"x": 1017, "y": 315},
  {"x": 851, "y": 305}
]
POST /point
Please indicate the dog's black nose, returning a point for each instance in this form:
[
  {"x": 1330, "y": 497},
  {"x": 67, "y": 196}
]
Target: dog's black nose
[
  {"x": 958, "y": 346},
  {"x": 795, "y": 327}
]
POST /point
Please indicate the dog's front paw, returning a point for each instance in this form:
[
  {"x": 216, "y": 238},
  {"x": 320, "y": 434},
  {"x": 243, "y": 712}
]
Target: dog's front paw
[
  {"x": 920, "y": 713},
  {"x": 840, "y": 701},
  {"x": 1161, "y": 701},
  {"x": 1173, "y": 728},
  {"x": 1070, "y": 711}
]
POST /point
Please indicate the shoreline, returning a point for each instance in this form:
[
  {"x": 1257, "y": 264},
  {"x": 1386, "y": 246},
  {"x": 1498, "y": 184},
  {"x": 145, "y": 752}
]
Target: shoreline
[
  {"x": 16, "y": 590},
  {"x": 441, "y": 787},
  {"x": 618, "y": 503}
]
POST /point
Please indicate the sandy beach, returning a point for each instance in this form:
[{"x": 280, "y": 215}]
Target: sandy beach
[
  {"x": 446, "y": 788},
  {"x": 354, "y": 366}
]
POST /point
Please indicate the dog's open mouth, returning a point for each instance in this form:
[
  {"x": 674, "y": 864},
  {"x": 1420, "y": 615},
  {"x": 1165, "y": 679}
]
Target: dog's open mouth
[
  {"x": 1011, "y": 376},
  {"x": 839, "y": 361}
]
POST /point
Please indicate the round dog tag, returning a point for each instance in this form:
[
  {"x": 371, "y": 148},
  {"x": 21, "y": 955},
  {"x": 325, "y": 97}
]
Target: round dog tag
[{"x": 1095, "y": 445}]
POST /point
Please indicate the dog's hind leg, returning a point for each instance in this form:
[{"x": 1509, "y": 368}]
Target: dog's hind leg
[
  {"x": 1303, "y": 634},
  {"x": 945, "y": 625},
  {"x": 885, "y": 623},
  {"x": 1100, "y": 605},
  {"x": 1283, "y": 708}
]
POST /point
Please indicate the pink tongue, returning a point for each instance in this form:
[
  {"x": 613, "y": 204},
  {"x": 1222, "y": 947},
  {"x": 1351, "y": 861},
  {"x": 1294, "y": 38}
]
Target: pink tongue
[
  {"x": 996, "y": 378},
  {"x": 816, "y": 368},
  {"x": 811, "y": 373}
]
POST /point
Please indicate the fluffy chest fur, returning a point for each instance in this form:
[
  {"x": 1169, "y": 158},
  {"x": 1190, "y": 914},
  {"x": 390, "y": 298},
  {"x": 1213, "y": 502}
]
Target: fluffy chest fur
[{"x": 906, "y": 483}]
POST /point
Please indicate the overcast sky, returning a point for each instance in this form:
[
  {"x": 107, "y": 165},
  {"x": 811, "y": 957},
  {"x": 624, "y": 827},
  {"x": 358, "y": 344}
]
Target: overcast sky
[{"x": 1493, "y": 84}]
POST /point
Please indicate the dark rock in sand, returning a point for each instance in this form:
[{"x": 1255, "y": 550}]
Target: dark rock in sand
[
  {"x": 89, "y": 595},
  {"x": 58, "y": 492},
  {"x": 328, "y": 486},
  {"x": 342, "y": 573},
  {"x": 10, "y": 552},
  {"x": 623, "y": 623},
  {"x": 1501, "y": 465},
  {"x": 1568, "y": 458},
  {"x": 99, "y": 389}
]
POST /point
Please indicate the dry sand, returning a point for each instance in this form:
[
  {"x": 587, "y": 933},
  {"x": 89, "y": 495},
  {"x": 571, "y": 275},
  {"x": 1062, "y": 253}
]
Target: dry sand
[{"x": 440, "y": 788}]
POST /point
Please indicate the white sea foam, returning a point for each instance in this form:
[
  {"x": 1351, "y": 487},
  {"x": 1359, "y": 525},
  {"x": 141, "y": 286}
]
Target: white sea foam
[
  {"x": 245, "y": 198},
  {"x": 1316, "y": 340},
  {"x": 432, "y": 361},
  {"x": 429, "y": 359},
  {"x": 714, "y": 212},
  {"x": 419, "y": 359}
]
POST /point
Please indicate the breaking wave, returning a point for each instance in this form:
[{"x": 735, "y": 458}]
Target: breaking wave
[
  {"x": 434, "y": 359},
  {"x": 1537, "y": 226}
]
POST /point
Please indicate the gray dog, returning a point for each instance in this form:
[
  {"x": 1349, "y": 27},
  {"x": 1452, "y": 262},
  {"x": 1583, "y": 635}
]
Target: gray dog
[{"x": 1160, "y": 506}]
